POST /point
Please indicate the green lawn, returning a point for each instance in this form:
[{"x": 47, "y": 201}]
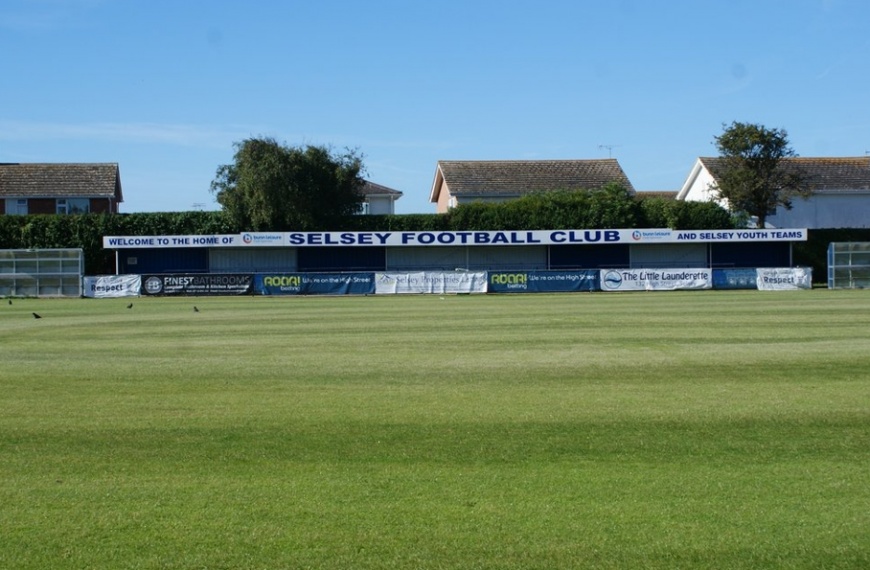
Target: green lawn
[{"x": 591, "y": 430}]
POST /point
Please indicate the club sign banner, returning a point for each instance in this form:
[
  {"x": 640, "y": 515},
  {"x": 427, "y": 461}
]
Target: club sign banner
[
  {"x": 656, "y": 279},
  {"x": 452, "y": 238},
  {"x": 542, "y": 281},
  {"x": 430, "y": 282},
  {"x": 111, "y": 286},
  {"x": 197, "y": 284},
  {"x": 315, "y": 284}
]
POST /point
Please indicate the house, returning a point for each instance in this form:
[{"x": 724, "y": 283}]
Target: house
[
  {"x": 378, "y": 200},
  {"x": 840, "y": 198},
  {"x": 463, "y": 181},
  {"x": 59, "y": 188}
]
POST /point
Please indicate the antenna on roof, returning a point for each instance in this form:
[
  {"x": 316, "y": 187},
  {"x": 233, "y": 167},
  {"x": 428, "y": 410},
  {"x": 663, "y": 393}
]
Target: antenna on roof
[
  {"x": 198, "y": 206},
  {"x": 609, "y": 148}
]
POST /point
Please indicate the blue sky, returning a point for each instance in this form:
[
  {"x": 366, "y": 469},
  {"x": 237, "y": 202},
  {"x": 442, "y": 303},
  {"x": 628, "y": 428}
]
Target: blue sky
[{"x": 164, "y": 88}]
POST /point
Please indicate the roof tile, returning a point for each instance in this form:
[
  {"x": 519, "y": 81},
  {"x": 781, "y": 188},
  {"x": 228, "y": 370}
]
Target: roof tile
[
  {"x": 518, "y": 177},
  {"x": 372, "y": 189},
  {"x": 50, "y": 180},
  {"x": 825, "y": 173}
]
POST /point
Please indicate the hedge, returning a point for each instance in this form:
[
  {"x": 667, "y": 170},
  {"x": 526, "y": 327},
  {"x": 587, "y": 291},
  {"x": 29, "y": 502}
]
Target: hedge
[{"x": 609, "y": 208}]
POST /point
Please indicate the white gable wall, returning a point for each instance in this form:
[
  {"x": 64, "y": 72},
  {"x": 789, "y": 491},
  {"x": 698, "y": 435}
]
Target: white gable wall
[
  {"x": 825, "y": 210},
  {"x": 697, "y": 186},
  {"x": 700, "y": 190},
  {"x": 380, "y": 205}
]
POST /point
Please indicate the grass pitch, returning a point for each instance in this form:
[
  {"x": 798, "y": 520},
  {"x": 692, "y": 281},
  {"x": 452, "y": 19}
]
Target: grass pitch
[{"x": 636, "y": 430}]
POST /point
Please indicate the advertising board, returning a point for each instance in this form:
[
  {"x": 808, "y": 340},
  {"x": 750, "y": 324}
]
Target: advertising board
[
  {"x": 197, "y": 284},
  {"x": 430, "y": 282},
  {"x": 111, "y": 286},
  {"x": 314, "y": 284},
  {"x": 656, "y": 279},
  {"x": 784, "y": 278},
  {"x": 542, "y": 281}
]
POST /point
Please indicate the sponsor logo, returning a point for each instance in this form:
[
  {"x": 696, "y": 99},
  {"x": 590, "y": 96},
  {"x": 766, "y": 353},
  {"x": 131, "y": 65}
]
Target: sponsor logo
[
  {"x": 282, "y": 281},
  {"x": 271, "y": 239},
  {"x": 612, "y": 280},
  {"x": 509, "y": 278},
  {"x": 153, "y": 285},
  {"x": 654, "y": 235}
]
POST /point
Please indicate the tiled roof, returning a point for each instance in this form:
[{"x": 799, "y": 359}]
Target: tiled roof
[
  {"x": 518, "y": 177},
  {"x": 372, "y": 189},
  {"x": 825, "y": 173},
  {"x": 58, "y": 180}
]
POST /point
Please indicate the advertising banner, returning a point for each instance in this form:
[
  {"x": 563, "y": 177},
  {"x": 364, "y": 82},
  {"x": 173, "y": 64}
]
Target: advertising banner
[
  {"x": 542, "y": 281},
  {"x": 431, "y": 282},
  {"x": 743, "y": 278},
  {"x": 111, "y": 286},
  {"x": 197, "y": 284},
  {"x": 314, "y": 284},
  {"x": 784, "y": 278},
  {"x": 656, "y": 279}
]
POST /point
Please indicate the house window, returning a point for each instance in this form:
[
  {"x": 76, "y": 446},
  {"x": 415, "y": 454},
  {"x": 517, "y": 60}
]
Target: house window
[
  {"x": 16, "y": 206},
  {"x": 73, "y": 205}
]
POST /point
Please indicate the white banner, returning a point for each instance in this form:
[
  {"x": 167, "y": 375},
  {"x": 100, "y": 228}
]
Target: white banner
[
  {"x": 656, "y": 279},
  {"x": 452, "y": 238},
  {"x": 430, "y": 282},
  {"x": 111, "y": 286},
  {"x": 784, "y": 278}
]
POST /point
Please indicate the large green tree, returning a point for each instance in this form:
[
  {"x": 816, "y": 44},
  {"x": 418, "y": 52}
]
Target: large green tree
[
  {"x": 754, "y": 176},
  {"x": 274, "y": 187}
]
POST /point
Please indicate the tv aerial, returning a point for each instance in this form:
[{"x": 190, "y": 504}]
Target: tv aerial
[{"x": 609, "y": 148}]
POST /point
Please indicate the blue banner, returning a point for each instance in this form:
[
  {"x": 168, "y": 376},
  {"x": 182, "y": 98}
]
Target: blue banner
[
  {"x": 542, "y": 281},
  {"x": 314, "y": 284},
  {"x": 735, "y": 278}
]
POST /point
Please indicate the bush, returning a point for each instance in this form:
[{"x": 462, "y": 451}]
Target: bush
[{"x": 680, "y": 215}]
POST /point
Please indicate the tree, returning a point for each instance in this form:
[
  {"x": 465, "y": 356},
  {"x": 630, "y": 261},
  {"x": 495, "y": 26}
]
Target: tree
[
  {"x": 755, "y": 176},
  {"x": 273, "y": 187}
]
